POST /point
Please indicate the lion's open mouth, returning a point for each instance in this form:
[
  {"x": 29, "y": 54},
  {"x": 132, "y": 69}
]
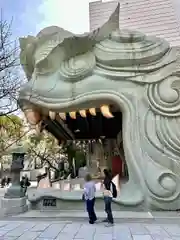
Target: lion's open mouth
[{"x": 103, "y": 121}]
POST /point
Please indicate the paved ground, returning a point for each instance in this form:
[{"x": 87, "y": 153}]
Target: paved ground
[
  {"x": 44, "y": 230},
  {"x": 51, "y": 226}
]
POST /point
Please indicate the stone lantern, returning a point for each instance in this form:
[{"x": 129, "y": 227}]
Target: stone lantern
[{"x": 14, "y": 200}]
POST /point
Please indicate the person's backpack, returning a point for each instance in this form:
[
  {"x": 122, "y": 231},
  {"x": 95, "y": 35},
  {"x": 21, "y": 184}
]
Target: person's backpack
[
  {"x": 28, "y": 184},
  {"x": 114, "y": 190},
  {"x": 83, "y": 197}
]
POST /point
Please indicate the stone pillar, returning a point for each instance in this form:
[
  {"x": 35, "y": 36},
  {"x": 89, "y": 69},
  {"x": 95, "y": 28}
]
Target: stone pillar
[
  {"x": 14, "y": 200},
  {"x": 97, "y": 161},
  {"x": 101, "y": 157},
  {"x": 88, "y": 155},
  {"x": 108, "y": 153}
]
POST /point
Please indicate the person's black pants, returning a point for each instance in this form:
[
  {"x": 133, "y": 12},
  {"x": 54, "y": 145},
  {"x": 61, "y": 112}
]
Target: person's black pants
[
  {"x": 108, "y": 210},
  {"x": 90, "y": 209}
]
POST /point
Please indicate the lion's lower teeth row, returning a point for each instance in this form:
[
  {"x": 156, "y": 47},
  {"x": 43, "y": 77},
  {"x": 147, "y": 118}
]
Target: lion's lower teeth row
[{"x": 104, "y": 110}]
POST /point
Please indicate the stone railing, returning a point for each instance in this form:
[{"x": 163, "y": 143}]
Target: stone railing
[{"x": 74, "y": 184}]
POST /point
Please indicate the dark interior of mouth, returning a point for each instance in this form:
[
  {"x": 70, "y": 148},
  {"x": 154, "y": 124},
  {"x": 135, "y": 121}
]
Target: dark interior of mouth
[
  {"x": 95, "y": 127},
  {"x": 92, "y": 128},
  {"x": 89, "y": 127}
]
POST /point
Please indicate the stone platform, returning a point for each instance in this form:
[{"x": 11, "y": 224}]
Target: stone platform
[
  {"x": 14, "y": 205},
  {"x": 119, "y": 216},
  {"x": 74, "y": 215}
]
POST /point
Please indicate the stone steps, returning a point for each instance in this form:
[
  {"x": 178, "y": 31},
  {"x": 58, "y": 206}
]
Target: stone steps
[
  {"x": 83, "y": 214},
  {"x": 119, "y": 216}
]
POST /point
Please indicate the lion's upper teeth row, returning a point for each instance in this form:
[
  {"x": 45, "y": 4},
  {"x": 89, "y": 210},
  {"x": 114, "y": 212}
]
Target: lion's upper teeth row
[{"x": 104, "y": 110}]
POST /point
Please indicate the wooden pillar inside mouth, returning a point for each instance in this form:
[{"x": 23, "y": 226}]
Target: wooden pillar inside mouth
[{"x": 97, "y": 158}]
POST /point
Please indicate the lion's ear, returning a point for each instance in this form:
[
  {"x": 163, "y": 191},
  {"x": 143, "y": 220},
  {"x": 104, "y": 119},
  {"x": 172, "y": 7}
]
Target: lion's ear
[
  {"x": 27, "y": 46},
  {"x": 23, "y": 43},
  {"x": 69, "y": 44}
]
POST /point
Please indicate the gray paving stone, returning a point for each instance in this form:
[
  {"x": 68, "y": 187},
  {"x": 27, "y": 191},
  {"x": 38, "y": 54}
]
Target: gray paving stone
[
  {"x": 8, "y": 238},
  {"x": 2, "y": 224},
  {"x": 86, "y": 231},
  {"x": 40, "y": 227},
  {"x": 103, "y": 237},
  {"x": 162, "y": 238},
  {"x": 18, "y": 231},
  {"x": 2, "y": 233},
  {"x": 10, "y": 226},
  {"x": 156, "y": 230},
  {"x": 72, "y": 229},
  {"x": 29, "y": 236},
  {"x": 52, "y": 231},
  {"x": 137, "y": 229},
  {"x": 142, "y": 237},
  {"x": 121, "y": 232},
  {"x": 101, "y": 229},
  {"x": 172, "y": 230},
  {"x": 47, "y": 239},
  {"x": 88, "y": 237},
  {"x": 122, "y": 236},
  {"x": 64, "y": 236}
]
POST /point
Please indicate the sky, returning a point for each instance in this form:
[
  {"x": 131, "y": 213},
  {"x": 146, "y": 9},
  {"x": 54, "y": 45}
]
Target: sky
[{"x": 31, "y": 16}]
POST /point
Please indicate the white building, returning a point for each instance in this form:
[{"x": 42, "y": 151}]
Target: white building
[{"x": 153, "y": 17}]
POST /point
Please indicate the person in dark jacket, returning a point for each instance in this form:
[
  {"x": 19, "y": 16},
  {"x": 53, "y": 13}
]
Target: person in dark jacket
[
  {"x": 8, "y": 181},
  {"x": 3, "y": 182},
  {"x": 108, "y": 197},
  {"x": 24, "y": 183},
  {"x": 27, "y": 182}
]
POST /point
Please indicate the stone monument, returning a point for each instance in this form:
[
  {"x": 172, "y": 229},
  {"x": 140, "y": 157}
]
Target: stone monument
[
  {"x": 139, "y": 74},
  {"x": 14, "y": 200}
]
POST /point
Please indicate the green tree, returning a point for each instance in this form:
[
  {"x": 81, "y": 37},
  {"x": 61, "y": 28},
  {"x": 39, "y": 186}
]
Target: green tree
[
  {"x": 11, "y": 125},
  {"x": 77, "y": 152},
  {"x": 44, "y": 150},
  {"x": 11, "y": 130}
]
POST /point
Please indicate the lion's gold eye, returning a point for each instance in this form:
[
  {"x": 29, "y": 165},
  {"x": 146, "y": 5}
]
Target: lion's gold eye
[{"x": 78, "y": 67}]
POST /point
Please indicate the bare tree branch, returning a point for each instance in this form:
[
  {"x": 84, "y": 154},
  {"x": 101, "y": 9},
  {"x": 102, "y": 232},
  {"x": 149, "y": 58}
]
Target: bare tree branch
[
  {"x": 9, "y": 69},
  {"x": 45, "y": 159}
]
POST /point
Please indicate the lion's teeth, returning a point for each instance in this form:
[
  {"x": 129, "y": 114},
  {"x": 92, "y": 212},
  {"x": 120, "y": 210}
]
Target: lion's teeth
[
  {"x": 72, "y": 115},
  {"x": 82, "y": 113},
  {"x": 52, "y": 115},
  {"x": 62, "y": 116},
  {"x": 106, "y": 112},
  {"x": 92, "y": 111}
]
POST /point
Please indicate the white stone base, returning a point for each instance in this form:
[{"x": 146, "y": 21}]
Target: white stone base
[{"x": 12, "y": 206}]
